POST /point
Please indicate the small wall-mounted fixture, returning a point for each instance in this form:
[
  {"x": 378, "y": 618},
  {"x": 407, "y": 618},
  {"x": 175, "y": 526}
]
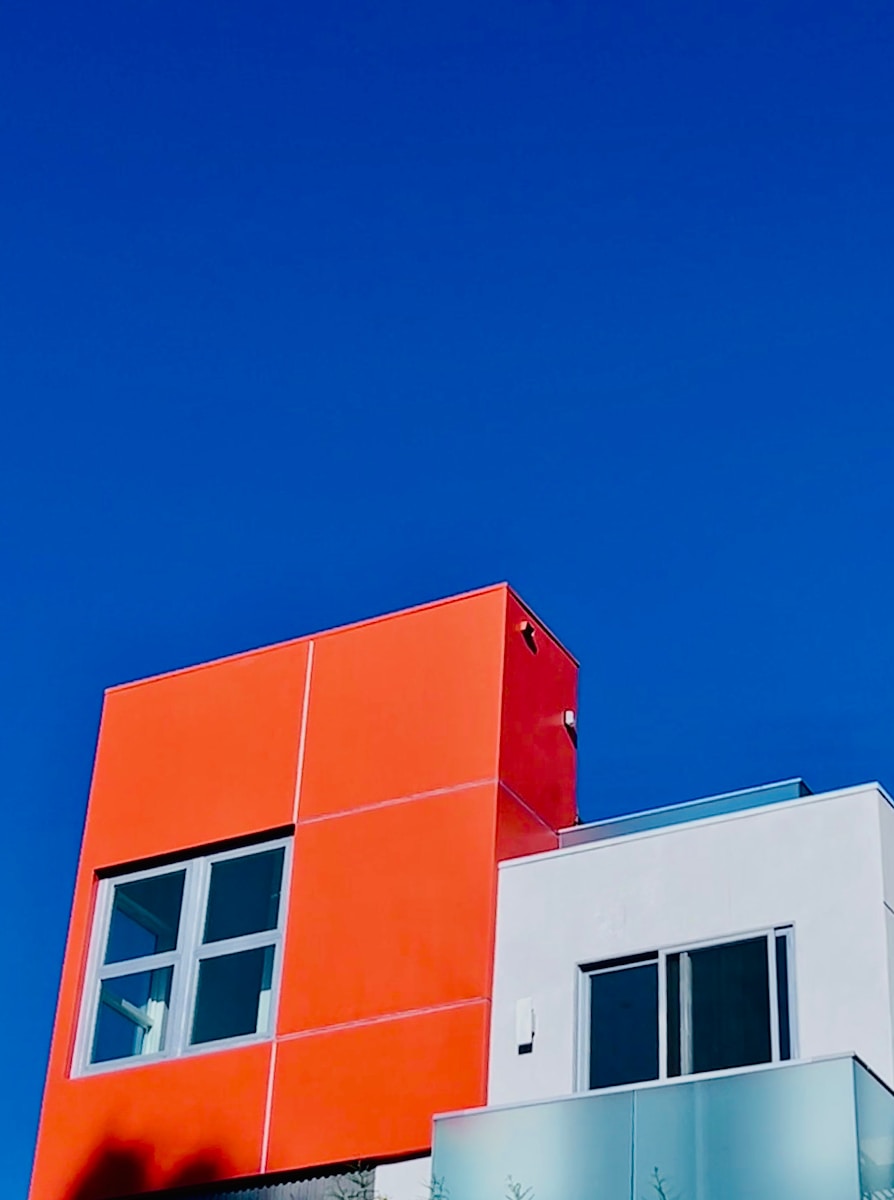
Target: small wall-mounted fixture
[
  {"x": 524, "y": 1025},
  {"x": 569, "y": 720},
  {"x": 527, "y": 630}
]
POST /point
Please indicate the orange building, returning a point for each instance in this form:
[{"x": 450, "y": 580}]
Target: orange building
[{"x": 281, "y": 945}]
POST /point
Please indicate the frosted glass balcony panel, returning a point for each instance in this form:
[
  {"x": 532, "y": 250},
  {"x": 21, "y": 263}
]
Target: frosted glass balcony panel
[
  {"x": 554, "y": 1151},
  {"x": 786, "y": 1132},
  {"x": 875, "y": 1135}
]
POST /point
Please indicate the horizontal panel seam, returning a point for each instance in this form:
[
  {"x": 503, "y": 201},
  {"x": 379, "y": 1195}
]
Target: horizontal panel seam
[
  {"x": 350, "y": 812},
  {"x": 404, "y": 1014}
]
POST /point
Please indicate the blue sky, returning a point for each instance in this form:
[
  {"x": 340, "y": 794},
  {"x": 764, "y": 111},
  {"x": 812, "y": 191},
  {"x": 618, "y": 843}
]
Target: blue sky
[{"x": 312, "y": 312}]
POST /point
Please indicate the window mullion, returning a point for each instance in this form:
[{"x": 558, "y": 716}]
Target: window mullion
[
  {"x": 247, "y": 941},
  {"x": 662, "y": 1015},
  {"x": 190, "y": 935},
  {"x": 582, "y": 1024},
  {"x": 686, "y": 1031},
  {"x": 130, "y": 966}
]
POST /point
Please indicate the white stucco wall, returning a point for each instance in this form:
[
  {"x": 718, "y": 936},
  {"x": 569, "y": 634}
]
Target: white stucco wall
[
  {"x": 407, "y": 1180},
  {"x": 886, "y": 820},
  {"x": 817, "y": 864}
]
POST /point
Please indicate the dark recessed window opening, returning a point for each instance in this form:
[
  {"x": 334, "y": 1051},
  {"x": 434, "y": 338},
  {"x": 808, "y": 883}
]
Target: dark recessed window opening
[
  {"x": 724, "y": 1006},
  {"x": 624, "y": 1025}
]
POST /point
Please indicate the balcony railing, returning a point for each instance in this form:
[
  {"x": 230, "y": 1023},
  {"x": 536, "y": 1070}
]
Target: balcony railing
[{"x": 820, "y": 1130}]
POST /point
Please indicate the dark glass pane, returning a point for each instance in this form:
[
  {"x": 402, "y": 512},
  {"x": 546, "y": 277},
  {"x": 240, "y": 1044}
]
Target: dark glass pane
[
  {"x": 673, "y": 1014},
  {"x": 233, "y": 995},
  {"x": 145, "y": 917},
  {"x": 730, "y": 1005},
  {"x": 624, "y": 1026},
  {"x": 244, "y": 895},
  {"x": 132, "y": 1015},
  {"x": 785, "y": 1033}
]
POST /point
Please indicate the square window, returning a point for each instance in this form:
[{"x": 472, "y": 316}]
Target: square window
[{"x": 184, "y": 957}]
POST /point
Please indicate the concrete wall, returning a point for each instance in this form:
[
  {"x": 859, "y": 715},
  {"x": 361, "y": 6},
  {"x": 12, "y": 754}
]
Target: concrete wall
[{"x": 816, "y": 863}]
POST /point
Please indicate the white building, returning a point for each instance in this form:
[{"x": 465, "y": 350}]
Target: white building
[{"x": 701, "y": 978}]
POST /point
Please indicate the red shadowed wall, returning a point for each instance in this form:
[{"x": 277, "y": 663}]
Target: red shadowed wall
[{"x": 409, "y": 754}]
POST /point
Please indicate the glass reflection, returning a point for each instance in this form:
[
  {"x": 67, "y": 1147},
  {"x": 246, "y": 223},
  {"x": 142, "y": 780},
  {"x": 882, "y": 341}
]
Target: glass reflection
[
  {"x": 233, "y": 995},
  {"x": 243, "y": 895},
  {"x": 132, "y": 1015},
  {"x": 145, "y": 917}
]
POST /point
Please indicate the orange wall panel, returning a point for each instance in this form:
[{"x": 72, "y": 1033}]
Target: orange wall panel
[
  {"x": 434, "y": 748},
  {"x": 538, "y": 759},
  {"x": 370, "y": 1090},
  {"x": 196, "y": 757},
  {"x": 123, "y": 1132},
  {"x": 69, "y": 999},
  {"x": 404, "y": 705},
  {"x": 391, "y": 909}
]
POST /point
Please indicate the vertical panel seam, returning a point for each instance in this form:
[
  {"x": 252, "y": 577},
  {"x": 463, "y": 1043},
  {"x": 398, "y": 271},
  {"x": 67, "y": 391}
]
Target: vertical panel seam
[
  {"x": 395, "y": 801},
  {"x": 268, "y": 1110},
  {"x": 302, "y": 737}
]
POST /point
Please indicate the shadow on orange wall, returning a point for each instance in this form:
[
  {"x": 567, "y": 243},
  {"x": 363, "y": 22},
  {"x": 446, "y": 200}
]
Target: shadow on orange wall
[{"x": 123, "y": 1169}]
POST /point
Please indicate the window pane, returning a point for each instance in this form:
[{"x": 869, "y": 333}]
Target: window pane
[
  {"x": 244, "y": 895},
  {"x": 673, "y": 1014},
  {"x": 132, "y": 1015},
  {"x": 233, "y": 995},
  {"x": 624, "y": 1026},
  {"x": 785, "y": 1034},
  {"x": 145, "y": 917},
  {"x": 730, "y": 1005}
]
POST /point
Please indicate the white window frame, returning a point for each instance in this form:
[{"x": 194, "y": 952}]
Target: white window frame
[
  {"x": 185, "y": 959},
  {"x": 626, "y": 962}
]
